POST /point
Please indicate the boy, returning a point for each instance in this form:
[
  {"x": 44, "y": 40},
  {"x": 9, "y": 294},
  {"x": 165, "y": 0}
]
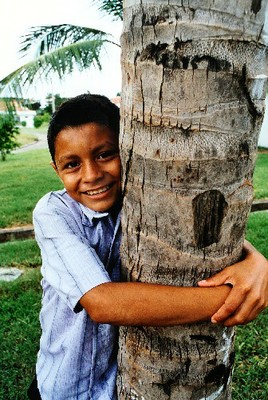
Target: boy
[{"x": 78, "y": 231}]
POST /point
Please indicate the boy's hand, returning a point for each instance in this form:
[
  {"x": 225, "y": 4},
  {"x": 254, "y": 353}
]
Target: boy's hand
[{"x": 249, "y": 296}]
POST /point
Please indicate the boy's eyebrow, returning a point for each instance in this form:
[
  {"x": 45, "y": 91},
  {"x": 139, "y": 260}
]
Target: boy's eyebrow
[
  {"x": 107, "y": 143},
  {"x": 96, "y": 150},
  {"x": 66, "y": 158}
]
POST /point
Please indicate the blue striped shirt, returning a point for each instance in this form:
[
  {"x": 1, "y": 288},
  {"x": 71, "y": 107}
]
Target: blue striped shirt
[{"x": 80, "y": 250}]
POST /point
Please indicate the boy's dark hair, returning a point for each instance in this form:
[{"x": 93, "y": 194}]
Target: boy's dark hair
[{"x": 80, "y": 110}]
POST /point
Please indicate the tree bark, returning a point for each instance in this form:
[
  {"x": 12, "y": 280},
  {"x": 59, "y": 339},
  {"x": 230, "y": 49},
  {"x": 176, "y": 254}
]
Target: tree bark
[{"x": 194, "y": 84}]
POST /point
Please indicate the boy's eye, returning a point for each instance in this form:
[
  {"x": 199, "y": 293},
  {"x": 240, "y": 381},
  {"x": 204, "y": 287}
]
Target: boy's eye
[
  {"x": 71, "y": 164},
  {"x": 109, "y": 154}
]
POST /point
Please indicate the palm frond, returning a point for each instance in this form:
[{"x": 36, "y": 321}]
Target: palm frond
[
  {"x": 45, "y": 39},
  {"x": 113, "y": 7},
  {"x": 61, "y": 61}
]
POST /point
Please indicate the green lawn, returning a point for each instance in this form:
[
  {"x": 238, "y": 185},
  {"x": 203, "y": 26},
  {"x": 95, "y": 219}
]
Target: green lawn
[
  {"x": 260, "y": 176},
  {"x": 28, "y": 135},
  {"x": 20, "y": 331},
  {"x": 20, "y": 253},
  {"x": 24, "y": 178},
  {"x": 250, "y": 372},
  {"x": 19, "y": 334}
]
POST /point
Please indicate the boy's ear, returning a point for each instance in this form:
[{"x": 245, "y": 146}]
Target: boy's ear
[{"x": 53, "y": 165}]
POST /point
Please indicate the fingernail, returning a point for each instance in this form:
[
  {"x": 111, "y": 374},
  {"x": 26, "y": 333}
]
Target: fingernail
[
  {"x": 203, "y": 281},
  {"x": 213, "y": 320}
]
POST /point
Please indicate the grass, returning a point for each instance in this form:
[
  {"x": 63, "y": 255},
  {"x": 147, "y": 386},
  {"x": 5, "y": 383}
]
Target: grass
[
  {"x": 19, "y": 334},
  {"x": 26, "y": 138},
  {"x": 260, "y": 176},
  {"x": 19, "y": 310},
  {"x": 20, "y": 331},
  {"x": 24, "y": 178},
  {"x": 250, "y": 371},
  {"x": 28, "y": 135},
  {"x": 20, "y": 254},
  {"x": 32, "y": 131},
  {"x": 257, "y": 231}
]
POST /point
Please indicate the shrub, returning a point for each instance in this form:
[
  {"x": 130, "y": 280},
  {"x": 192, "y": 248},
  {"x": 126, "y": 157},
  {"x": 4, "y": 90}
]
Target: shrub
[
  {"x": 8, "y": 133},
  {"x": 38, "y": 120},
  {"x": 46, "y": 117}
]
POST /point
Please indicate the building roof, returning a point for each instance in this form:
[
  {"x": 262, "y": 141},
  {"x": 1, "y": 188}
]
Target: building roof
[
  {"x": 116, "y": 100},
  {"x": 18, "y": 107}
]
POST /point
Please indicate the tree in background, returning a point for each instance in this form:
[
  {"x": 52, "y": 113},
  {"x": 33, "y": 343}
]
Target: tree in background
[
  {"x": 44, "y": 114},
  {"x": 33, "y": 105},
  {"x": 59, "y": 49},
  {"x": 8, "y": 134},
  {"x": 194, "y": 84},
  {"x": 53, "y": 102}
]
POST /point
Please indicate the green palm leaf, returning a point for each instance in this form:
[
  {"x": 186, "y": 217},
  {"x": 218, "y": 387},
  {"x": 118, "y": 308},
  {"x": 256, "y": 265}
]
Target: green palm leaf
[
  {"x": 58, "y": 49},
  {"x": 114, "y": 7},
  {"x": 48, "y": 38}
]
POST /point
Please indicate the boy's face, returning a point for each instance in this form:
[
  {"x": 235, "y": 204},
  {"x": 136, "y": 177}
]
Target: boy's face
[{"x": 88, "y": 163}]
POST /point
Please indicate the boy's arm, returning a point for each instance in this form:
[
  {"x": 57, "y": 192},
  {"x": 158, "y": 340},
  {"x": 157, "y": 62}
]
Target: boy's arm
[
  {"x": 135, "y": 303},
  {"x": 249, "y": 296}
]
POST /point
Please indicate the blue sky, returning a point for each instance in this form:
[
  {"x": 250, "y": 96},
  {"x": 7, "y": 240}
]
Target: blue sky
[{"x": 18, "y": 16}]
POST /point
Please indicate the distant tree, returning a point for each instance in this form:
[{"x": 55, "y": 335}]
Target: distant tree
[
  {"x": 33, "y": 105},
  {"x": 8, "y": 134},
  {"x": 53, "y": 101}
]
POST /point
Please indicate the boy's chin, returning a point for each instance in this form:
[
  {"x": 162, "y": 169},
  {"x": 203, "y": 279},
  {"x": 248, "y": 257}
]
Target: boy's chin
[
  {"x": 107, "y": 205},
  {"x": 102, "y": 208},
  {"x": 111, "y": 202}
]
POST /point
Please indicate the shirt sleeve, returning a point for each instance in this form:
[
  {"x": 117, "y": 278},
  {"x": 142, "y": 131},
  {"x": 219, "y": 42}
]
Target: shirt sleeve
[{"x": 69, "y": 264}]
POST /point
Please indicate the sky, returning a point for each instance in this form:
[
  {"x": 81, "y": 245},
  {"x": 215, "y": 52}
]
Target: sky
[{"x": 18, "y": 16}]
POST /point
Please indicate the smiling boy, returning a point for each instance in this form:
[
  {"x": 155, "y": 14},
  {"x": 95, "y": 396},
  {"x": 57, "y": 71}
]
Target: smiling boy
[
  {"x": 89, "y": 167},
  {"x": 78, "y": 231}
]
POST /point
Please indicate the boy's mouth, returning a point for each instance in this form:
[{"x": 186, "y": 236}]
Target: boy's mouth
[{"x": 98, "y": 191}]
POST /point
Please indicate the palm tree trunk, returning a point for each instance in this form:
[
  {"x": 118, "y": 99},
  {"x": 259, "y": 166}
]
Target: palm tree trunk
[{"x": 193, "y": 90}]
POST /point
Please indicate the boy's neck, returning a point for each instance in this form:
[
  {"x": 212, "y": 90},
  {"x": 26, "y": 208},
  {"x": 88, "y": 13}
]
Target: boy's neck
[{"x": 114, "y": 211}]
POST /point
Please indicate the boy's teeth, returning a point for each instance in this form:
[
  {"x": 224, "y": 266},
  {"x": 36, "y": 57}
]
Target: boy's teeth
[{"x": 91, "y": 192}]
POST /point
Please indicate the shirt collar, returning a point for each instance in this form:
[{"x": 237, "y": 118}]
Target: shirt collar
[{"x": 89, "y": 215}]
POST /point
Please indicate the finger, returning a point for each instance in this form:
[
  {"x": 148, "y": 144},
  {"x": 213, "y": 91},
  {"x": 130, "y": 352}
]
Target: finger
[
  {"x": 233, "y": 301},
  {"x": 240, "y": 318},
  {"x": 220, "y": 278},
  {"x": 248, "y": 247},
  {"x": 245, "y": 313}
]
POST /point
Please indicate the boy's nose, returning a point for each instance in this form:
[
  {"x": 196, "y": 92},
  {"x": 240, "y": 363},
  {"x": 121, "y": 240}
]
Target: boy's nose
[{"x": 91, "y": 172}]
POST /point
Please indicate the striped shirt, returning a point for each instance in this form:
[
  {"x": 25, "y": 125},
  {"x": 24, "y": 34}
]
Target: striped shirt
[{"x": 80, "y": 250}]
